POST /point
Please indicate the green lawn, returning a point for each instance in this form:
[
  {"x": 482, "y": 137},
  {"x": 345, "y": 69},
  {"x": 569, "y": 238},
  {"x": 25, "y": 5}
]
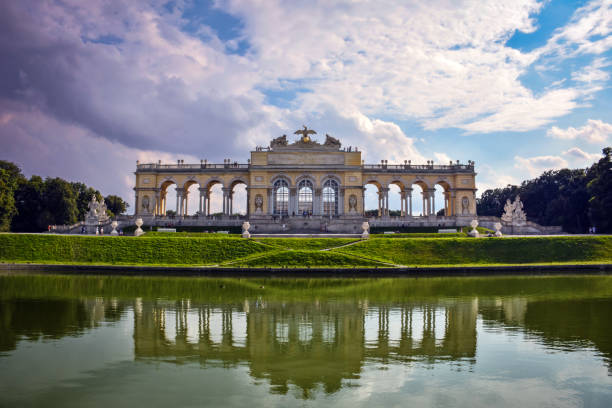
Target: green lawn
[
  {"x": 224, "y": 250},
  {"x": 158, "y": 250},
  {"x": 463, "y": 251}
]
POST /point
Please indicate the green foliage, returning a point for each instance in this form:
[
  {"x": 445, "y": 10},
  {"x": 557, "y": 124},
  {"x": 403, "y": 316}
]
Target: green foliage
[
  {"x": 10, "y": 177},
  {"x": 561, "y": 197},
  {"x": 124, "y": 250},
  {"x": 115, "y": 204},
  {"x": 458, "y": 251},
  {"x": 32, "y": 205},
  {"x": 600, "y": 192}
]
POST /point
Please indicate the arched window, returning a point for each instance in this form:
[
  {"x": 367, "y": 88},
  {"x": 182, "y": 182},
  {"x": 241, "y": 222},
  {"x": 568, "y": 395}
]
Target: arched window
[
  {"x": 281, "y": 197},
  {"x": 305, "y": 197},
  {"x": 330, "y": 198}
]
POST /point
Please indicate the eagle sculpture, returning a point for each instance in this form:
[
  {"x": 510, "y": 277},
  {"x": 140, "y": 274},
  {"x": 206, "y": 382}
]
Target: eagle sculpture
[{"x": 305, "y": 132}]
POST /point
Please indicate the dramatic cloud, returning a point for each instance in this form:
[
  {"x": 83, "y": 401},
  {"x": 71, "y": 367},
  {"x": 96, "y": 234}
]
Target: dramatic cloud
[
  {"x": 538, "y": 164},
  {"x": 101, "y": 83},
  {"x": 594, "y": 131}
]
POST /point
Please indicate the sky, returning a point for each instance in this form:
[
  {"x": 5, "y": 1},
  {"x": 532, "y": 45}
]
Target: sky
[{"x": 88, "y": 88}]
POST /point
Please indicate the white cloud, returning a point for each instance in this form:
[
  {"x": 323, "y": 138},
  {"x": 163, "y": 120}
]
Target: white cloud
[
  {"x": 594, "y": 131},
  {"x": 442, "y": 158},
  {"x": 578, "y": 154},
  {"x": 593, "y": 72},
  {"x": 538, "y": 164}
]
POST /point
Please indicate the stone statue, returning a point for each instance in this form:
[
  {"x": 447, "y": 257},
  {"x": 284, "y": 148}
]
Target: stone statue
[
  {"x": 146, "y": 203},
  {"x": 498, "y": 228},
  {"x": 508, "y": 210},
  {"x": 279, "y": 141},
  {"x": 305, "y": 132},
  {"x": 513, "y": 212},
  {"x": 352, "y": 204},
  {"x": 465, "y": 206},
  {"x": 258, "y": 204},
  {"x": 93, "y": 207},
  {"x": 332, "y": 142}
]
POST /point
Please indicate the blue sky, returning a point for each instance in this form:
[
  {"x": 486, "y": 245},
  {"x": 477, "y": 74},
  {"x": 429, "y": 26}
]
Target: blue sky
[{"x": 88, "y": 88}]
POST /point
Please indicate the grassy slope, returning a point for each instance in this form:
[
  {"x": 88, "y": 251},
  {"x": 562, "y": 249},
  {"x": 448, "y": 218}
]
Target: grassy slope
[
  {"x": 124, "y": 250},
  {"x": 312, "y": 244},
  {"x": 300, "y": 258},
  {"x": 461, "y": 251},
  {"x": 296, "y": 252}
]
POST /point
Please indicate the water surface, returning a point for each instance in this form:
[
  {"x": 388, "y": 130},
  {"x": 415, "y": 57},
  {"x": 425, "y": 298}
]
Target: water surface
[{"x": 119, "y": 341}]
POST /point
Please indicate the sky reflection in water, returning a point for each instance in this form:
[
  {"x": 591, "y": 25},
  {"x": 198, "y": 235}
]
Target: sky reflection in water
[{"x": 76, "y": 341}]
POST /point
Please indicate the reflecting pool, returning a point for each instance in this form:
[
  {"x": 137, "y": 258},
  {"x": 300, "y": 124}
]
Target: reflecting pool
[{"x": 457, "y": 342}]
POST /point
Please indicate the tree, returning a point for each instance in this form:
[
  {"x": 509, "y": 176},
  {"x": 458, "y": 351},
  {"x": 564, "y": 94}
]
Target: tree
[
  {"x": 60, "y": 206},
  {"x": 115, "y": 204},
  {"x": 29, "y": 203},
  {"x": 10, "y": 177},
  {"x": 600, "y": 191}
]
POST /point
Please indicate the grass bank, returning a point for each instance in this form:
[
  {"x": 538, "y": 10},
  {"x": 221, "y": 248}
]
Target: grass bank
[
  {"x": 125, "y": 250},
  {"x": 485, "y": 251},
  {"x": 230, "y": 251}
]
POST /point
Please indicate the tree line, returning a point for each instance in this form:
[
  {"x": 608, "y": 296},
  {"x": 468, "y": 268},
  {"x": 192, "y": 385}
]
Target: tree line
[
  {"x": 32, "y": 205},
  {"x": 576, "y": 199}
]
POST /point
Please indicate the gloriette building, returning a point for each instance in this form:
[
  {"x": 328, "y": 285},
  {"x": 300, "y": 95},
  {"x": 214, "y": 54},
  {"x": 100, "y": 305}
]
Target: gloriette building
[{"x": 307, "y": 185}]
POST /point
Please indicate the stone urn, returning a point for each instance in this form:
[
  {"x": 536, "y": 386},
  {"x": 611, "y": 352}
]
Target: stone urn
[
  {"x": 114, "y": 225},
  {"x": 366, "y": 230},
  {"x": 245, "y": 230},
  {"x": 498, "y": 228},
  {"x": 139, "y": 230},
  {"x": 474, "y": 232}
]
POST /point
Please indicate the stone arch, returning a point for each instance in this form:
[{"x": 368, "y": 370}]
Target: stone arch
[
  {"x": 442, "y": 200},
  {"x": 237, "y": 195},
  {"x": 418, "y": 200},
  {"x": 162, "y": 206},
  {"x": 190, "y": 196},
  {"x": 331, "y": 177},
  {"x": 370, "y": 197},
  {"x": 280, "y": 176}
]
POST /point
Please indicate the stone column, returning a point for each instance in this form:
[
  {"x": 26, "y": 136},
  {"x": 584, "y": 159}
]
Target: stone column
[
  {"x": 270, "y": 203},
  {"x": 386, "y": 200},
  {"x": 402, "y": 203},
  {"x": 225, "y": 201},
  {"x": 185, "y": 202},
  {"x": 248, "y": 201},
  {"x": 178, "y": 202},
  {"x": 202, "y": 208},
  {"x": 410, "y": 201},
  {"x": 136, "y": 209},
  {"x": 157, "y": 202},
  {"x": 341, "y": 201},
  {"x": 318, "y": 203},
  {"x": 379, "y": 194},
  {"x": 230, "y": 197},
  {"x": 432, "y": 194},
  {"x": 424, "y": 210},
  {"x": 292, "y": 205}
]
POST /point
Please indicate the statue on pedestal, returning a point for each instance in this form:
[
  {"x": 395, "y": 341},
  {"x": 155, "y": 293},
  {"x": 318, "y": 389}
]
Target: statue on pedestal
[{"x": 513, "y": 212}]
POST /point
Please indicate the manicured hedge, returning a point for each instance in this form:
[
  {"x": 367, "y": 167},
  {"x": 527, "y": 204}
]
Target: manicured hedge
[
  {"x": 124, "y": 250},
  {"x": 456, "y": 251},
  {"x": 306, "y": 243}
]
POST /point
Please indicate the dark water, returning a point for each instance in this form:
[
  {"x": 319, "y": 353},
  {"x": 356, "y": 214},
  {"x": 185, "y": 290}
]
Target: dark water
[{"x": 456, "y": 342}]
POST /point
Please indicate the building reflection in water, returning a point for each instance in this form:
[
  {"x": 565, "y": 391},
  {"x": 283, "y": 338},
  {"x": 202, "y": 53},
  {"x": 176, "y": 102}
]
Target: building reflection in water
[
  {"x": 312, "y": 344},
  {"x": 303, "y": 343}
]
